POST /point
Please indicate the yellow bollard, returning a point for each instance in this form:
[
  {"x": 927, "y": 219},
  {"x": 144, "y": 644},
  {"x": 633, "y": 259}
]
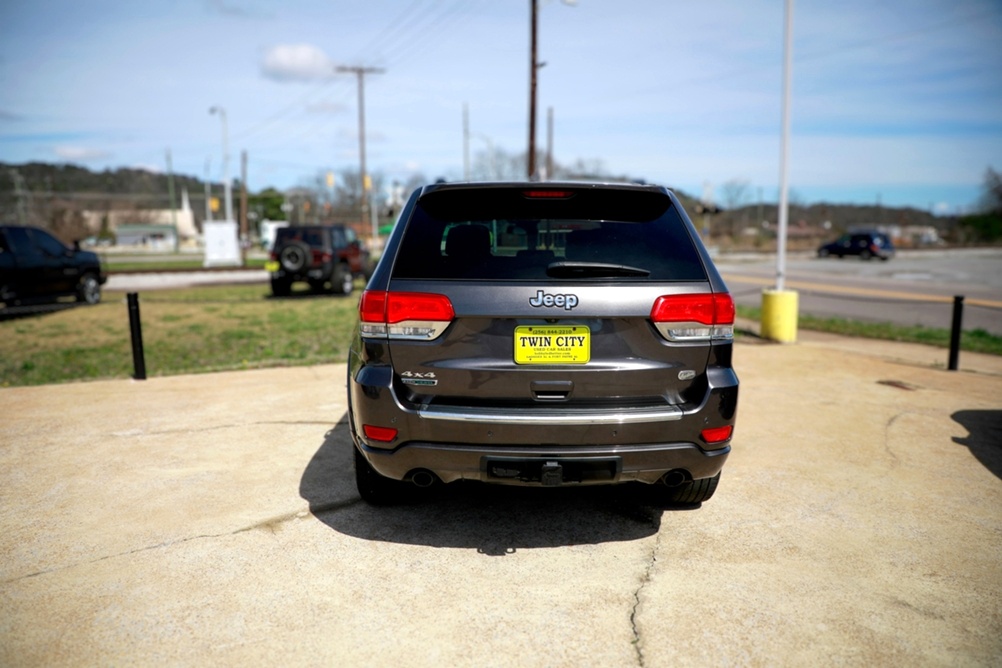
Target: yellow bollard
[{"x": 779, "y": 315}]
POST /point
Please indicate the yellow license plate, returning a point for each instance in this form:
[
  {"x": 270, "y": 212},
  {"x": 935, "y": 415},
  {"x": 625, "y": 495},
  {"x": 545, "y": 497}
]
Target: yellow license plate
[
  {"x": 271, "y": 266},
  {"x": 552, "y": 345}
]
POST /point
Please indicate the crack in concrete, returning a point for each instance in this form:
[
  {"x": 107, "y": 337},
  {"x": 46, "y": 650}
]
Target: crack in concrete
[
  {"x": 270, "y": 524},
  {"x": 635, "y": 611},
  {"x": 887, "y": 436},
  {"x": 163, "y": 432}
]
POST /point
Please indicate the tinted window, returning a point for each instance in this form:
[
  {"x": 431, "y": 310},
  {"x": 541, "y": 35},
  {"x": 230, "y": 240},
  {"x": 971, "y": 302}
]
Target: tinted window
[
  {"x": 499, "y": 236},
  {"x": 48, "y": 243},
  {"x": 311, "y": 236},
  {"x": 337, "y": 237},
  {"x": 21, "y": 243}
]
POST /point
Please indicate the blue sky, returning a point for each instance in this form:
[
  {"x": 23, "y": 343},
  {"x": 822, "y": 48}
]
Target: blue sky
[{"x": 894, "y": 101}]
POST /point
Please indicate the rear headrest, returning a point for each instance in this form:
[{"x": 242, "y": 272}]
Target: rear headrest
[{"x": 468, "y": 241}]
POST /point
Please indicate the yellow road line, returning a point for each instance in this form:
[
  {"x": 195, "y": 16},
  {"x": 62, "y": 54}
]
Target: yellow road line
[{"x": 861, "y": 292}]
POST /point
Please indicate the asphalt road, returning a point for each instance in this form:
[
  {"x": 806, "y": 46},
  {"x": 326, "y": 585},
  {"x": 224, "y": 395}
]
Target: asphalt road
[
  {"x": 212, "y": 520},
  {"x": 916, "y": 287}
]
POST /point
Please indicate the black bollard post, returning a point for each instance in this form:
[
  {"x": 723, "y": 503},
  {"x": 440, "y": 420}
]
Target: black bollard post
[
  {"x": 138, "y": 357},
  {"x": 958, "y": 318}
]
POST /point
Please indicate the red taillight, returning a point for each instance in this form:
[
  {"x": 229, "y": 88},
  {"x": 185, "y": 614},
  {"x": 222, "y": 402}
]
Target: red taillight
[
  {"x": 372, "y": 307},
  {"x": 402, "y": 306},
  {"x": 708, "y": 309},
  {"x": 717, "y": 434},
  {"x": 321, "y": 257},
  {"x": 404, "y": 315},
  {"x": 383, "y": 434},
  {"x": 678, "y": 317}
]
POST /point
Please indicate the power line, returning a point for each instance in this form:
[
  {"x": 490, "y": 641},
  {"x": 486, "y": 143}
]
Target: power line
[{"x": 821, "y": 55}]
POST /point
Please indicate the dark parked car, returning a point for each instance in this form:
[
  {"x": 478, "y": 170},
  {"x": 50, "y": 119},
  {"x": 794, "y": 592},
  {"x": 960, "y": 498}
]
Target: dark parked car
[
  {"x": 328, "y": 257},
  {"x": 543, "y": 334},
  {"x": 36, "y": 266},
  {"x": 866, "y": 245}
]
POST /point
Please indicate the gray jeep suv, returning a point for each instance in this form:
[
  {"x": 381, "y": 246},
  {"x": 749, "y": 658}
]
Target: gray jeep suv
[{"x": 543, "y": 334}]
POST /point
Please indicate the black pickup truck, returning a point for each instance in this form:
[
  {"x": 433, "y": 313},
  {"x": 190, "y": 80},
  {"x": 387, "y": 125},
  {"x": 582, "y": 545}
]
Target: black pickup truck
[{"x": 35, "y": 266}]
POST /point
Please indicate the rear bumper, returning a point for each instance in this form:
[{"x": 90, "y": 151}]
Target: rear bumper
[
  {"x": 523, "y": 465},
  {"x": 510, "y": 446}
]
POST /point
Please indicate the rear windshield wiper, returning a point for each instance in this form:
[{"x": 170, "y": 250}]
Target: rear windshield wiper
[{"x": 589, "y": 269}]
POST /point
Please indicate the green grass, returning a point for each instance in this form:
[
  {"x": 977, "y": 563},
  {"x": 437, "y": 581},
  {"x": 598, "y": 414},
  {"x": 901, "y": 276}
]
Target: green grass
[
  {"x": 184, "y": 331},
  {"x": 214, "y": 328},
  {"x": 975, "y": 341},
  {"x": 168, "y": 263}
]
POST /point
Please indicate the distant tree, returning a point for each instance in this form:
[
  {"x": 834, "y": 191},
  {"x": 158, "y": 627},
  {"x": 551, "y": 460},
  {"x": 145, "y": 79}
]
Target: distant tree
[
  {"x": 735, "y": 193},
  {"x": 267, "y": 204},
  {"x": 986, "y": 225},
  {"x": 991, "y": 198},
  {"x": 66, "y": 221}
]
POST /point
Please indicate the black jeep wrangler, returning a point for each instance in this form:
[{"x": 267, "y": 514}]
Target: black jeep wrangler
[{"x": 328, "y": 257}]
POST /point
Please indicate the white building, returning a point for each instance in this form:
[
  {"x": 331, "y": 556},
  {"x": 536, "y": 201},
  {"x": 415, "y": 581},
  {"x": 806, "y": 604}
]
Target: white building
[{"x": 148, "y": 225}]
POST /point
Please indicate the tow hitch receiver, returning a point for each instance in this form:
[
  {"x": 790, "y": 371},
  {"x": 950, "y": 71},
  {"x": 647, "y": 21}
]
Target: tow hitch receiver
[{"x": 552, "y": 474}]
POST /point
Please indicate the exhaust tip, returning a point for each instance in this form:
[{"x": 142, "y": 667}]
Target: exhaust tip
[
  {"x": 423, "y": 479},
  {"x": 675, "y": 478}
]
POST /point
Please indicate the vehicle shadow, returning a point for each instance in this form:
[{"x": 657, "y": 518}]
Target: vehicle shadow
[
  {"x": 494, "y": 520},
  {"x": 984, "y": 438}
]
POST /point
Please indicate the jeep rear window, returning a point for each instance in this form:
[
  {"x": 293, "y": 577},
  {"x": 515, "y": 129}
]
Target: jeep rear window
[
  {"x": 311, "y": 236},
  {"x": 501, "y": 235}
]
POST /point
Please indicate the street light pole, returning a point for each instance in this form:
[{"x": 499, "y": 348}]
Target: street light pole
[
  {"x": 226, "y": 162},
  {"x": 784, "y": 150},
  {"x": 779, "y": 306}
]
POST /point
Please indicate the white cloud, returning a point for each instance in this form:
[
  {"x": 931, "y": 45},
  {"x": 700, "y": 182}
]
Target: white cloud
[
  {"x": 296, "y": 62},
  {"x": 81, "y": 153}
]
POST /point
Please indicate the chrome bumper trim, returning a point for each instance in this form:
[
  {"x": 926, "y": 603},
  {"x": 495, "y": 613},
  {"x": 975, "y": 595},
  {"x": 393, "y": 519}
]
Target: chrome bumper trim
[{"x": 550, "y": 416}]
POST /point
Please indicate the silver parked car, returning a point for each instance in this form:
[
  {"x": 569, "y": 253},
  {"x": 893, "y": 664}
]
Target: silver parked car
[{"x": 543, "y": 334}]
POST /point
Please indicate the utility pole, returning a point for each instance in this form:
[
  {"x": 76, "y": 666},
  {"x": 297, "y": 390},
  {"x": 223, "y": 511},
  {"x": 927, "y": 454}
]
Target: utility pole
[
  {"x": 360, "y": 72},
  {"x": 533, "y": 67},
  {"x": 244, "y": 239},
  {"x": 549, "y": 144},
  {"x": 170, "y": 194},
  {"x": 466, "y": 142},
  {"x": 208, "y": 190}
]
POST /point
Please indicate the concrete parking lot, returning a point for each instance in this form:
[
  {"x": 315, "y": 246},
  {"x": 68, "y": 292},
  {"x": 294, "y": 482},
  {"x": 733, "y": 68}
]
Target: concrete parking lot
[{"x": 213, "y": 520}]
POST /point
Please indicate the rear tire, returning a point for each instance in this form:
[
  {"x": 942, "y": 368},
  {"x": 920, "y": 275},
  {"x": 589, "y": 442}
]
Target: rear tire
[
  {"x": 375, "y": 489},
  {"x": 342, "y": 281},
  {"x": 689, "y": 493},
  {"x": 280, "y": 288},
  {"x": 89, "y": 290}
]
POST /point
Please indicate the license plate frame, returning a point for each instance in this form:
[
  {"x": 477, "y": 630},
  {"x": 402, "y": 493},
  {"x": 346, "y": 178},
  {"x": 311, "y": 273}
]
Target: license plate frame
[{"x": 551, "y": 344}]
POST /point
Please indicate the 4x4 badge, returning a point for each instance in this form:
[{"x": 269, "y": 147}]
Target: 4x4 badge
[
  {"x": 423, "y": 379},
  {"x": 542, "y": 299}
]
